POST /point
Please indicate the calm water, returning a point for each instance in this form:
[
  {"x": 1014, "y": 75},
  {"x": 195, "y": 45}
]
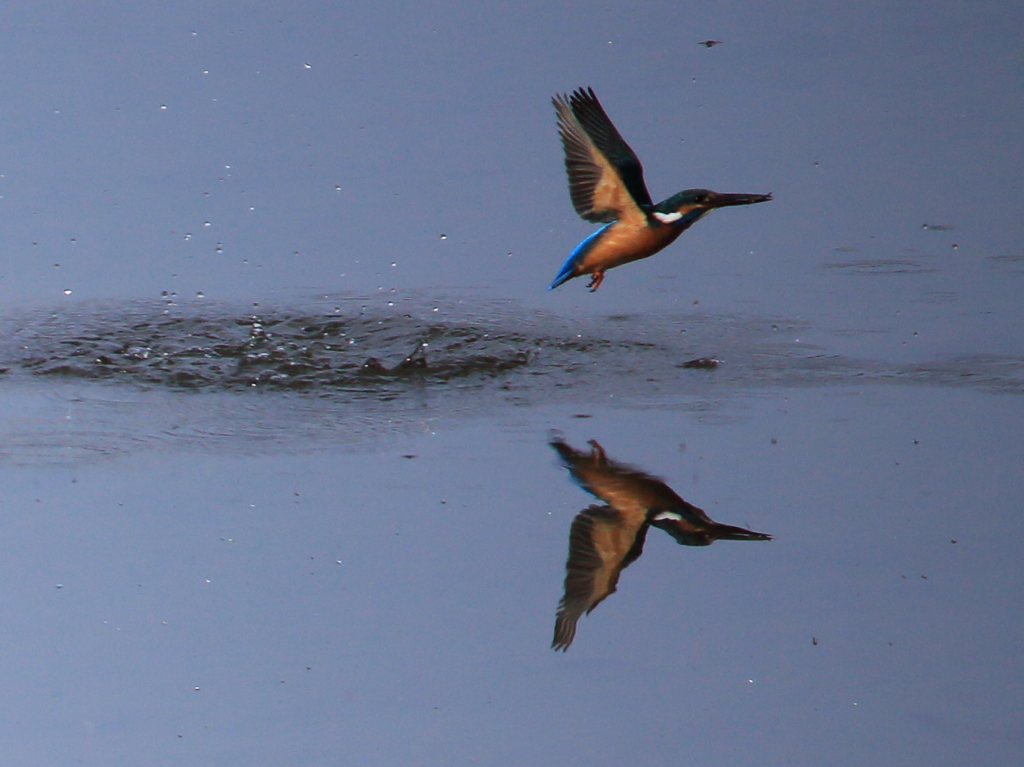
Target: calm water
[
  {"x": 271, "y": 564},
  {"x": 280, "y": 377}
]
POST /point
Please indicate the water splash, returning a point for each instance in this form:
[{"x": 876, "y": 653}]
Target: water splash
[
  {"x": 348, "y": 371},
  {"x": 384, "y": 347}
]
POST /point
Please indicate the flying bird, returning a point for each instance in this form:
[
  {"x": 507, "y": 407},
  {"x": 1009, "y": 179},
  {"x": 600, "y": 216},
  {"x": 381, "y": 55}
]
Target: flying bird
[
  {"x": 605, "y": 540},
  {"x": 606, "y": 185}
]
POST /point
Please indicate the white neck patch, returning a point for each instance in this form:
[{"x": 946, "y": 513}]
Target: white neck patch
[{"x": 668, "y": 218}]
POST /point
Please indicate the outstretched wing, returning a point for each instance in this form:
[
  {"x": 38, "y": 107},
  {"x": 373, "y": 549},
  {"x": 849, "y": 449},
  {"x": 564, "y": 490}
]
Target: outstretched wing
[
  {"x": 602, "y": 543},
  {"x": 606, "y": 179}
]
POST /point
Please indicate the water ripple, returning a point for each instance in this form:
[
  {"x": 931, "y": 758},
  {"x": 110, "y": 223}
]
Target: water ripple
[{"x": 382, "y": 349}]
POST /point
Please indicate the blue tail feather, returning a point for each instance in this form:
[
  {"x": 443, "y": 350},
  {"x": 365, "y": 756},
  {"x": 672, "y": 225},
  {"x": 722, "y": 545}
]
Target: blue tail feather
[{"x": 568, "y": 270}]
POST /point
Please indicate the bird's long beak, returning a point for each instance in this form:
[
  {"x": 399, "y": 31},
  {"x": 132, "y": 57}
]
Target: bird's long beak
[
  {"x": 725, "y": 200},
  {"x": 730, "y": 533}
]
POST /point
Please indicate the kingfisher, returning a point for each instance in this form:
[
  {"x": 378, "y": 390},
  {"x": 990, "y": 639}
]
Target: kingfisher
[
  {"x": 606, "y": 185},
  {"x": 605, "y": 540}
]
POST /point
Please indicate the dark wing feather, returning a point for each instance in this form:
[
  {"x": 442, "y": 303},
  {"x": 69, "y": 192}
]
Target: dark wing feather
[
  {"x": 602, "y": 543},
  {"x": 606, "y": 180},
  {"x": 609, "y": 141}
]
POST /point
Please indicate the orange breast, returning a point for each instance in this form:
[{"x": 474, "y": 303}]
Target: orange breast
[{"x": 624, "y": 242}]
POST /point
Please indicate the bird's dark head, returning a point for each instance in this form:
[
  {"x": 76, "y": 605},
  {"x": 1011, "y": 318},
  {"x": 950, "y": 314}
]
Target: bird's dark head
[
  {"x": 689, "y": 205},
  {"x": 690, "y": 526}
]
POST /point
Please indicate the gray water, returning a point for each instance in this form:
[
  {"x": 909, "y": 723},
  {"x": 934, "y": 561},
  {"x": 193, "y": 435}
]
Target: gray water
[
  {"x": 279, "y": 377},
  {"x": 280, "y": 564}
]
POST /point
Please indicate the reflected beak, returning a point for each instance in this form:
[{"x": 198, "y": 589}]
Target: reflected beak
[
  {"x": 731, "y": 533},
  {"x": 725, "y": 200}
]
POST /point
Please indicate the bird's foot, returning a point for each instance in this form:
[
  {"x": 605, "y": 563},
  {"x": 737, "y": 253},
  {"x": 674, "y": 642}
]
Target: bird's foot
[{"x": 595, "y": 281}]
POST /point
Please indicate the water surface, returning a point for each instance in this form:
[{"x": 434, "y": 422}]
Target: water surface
[{"x": 280, "y": 373}]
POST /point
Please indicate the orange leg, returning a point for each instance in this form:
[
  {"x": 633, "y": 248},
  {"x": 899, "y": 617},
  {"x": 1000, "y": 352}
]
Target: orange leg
[{"x": 595, "y": 280}]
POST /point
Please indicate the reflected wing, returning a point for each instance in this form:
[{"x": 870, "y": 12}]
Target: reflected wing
[
  {"x": 602, "y": 543},
  {"x": 606, "y": 179}
]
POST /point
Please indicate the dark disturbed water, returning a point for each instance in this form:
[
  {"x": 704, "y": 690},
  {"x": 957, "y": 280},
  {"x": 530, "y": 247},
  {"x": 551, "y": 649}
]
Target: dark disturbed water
[
  {"x": 96, "y": 380},
  {"x": 382, "y": 348}
]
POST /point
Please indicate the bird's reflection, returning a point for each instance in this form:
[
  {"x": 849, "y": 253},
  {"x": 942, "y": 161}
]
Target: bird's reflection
[{"x": 605, "y": 540}]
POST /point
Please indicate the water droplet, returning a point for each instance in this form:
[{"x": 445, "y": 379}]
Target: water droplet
[
  {"x": 200, "y": 294},
  {"x": 67, "y": 291},
  {"x": 392, "y": 303},
  {"x": 188, "y": 236},
  {"x": 219, "y": 248},
  {"x": 444, "y": 236},
  {"x": 163, "y": 107},
  {"x": 206, "y": 223},
  {"x": 307, "y": 65},
  {"x": 206, "y": 71},
  {"x": 394, "y": 263},
  {"x": 337, "y": 187}
]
